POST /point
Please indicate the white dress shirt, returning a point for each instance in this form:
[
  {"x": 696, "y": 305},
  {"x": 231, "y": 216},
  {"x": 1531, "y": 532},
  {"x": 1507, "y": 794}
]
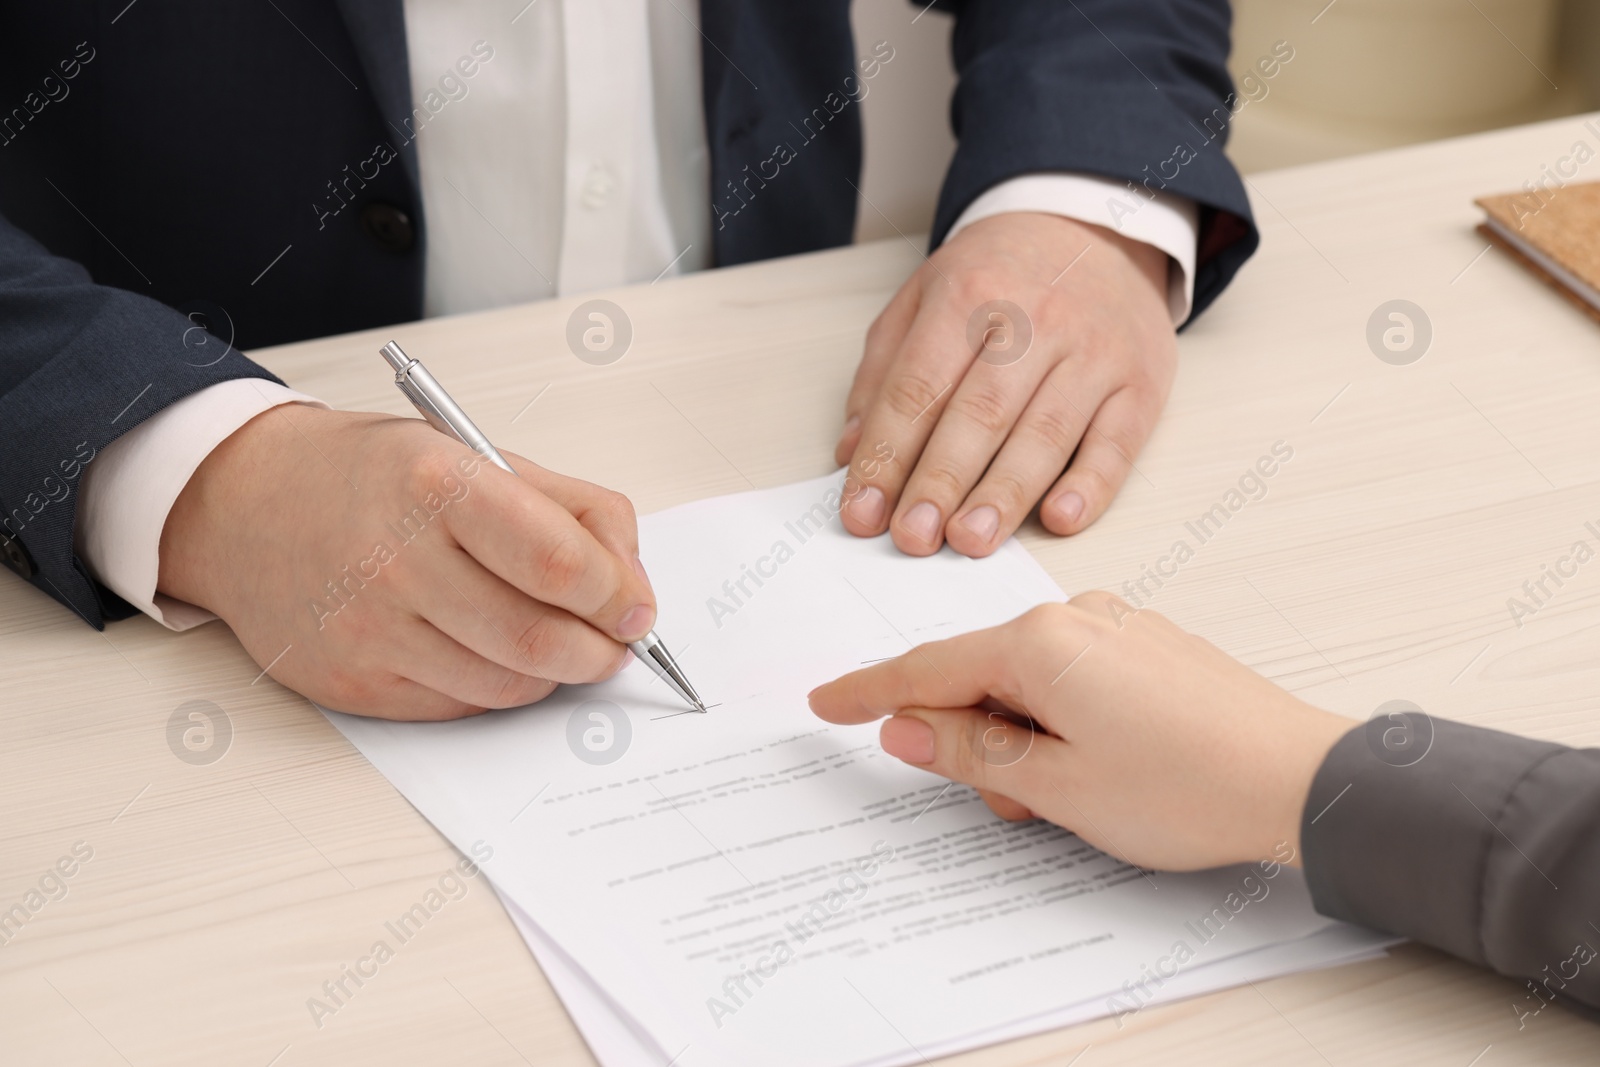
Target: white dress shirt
[{"x": 616, "y": 82}]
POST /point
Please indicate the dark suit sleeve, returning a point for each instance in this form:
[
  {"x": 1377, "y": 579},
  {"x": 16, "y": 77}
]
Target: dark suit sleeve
[
  {"x": 80, "y": 364},
  {"x": 1488, "y": 847},
  {"x": 1137, "y": 92}
]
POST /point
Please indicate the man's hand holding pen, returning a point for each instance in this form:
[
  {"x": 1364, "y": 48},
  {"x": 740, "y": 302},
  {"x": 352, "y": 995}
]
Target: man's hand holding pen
[{"x": 379, "y": 567}]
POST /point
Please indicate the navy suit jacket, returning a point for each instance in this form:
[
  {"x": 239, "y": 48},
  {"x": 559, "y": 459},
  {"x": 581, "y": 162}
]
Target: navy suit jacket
[{"x": 171, "y": 167}]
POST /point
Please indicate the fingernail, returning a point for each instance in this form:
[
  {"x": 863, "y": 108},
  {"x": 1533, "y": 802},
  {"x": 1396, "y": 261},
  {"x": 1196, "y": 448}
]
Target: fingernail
[
  {"x": 867, "y": 507},
  {"x": 923, "y": 522},
  {"x": 983, "y": 522},
  {"x": 1069, "y": 506},
  {"x": 636, "y": 623},
  {"x": 638, "y": 568},
  {"x": 907, "y": 739}
]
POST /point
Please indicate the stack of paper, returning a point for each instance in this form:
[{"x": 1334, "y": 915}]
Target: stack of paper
[{"x": 755, "y": 886}]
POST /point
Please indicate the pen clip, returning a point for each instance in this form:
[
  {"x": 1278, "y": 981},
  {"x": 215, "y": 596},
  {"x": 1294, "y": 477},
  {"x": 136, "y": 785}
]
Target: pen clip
[
  {"x": 442, "y": 413},
  {"x": 427, "y": 407}
]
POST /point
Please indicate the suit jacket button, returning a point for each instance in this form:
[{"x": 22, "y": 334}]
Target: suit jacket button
[
  {"x": 389, "y": 226},
  {"x": 13, "y": 555}
]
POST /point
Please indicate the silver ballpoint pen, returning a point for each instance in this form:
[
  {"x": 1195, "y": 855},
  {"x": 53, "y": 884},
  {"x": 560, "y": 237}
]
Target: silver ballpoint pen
[{"x": 444, "y": 415}]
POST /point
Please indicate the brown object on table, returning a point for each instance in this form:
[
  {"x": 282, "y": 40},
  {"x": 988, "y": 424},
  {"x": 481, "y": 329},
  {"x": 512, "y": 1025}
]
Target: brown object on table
[{"x": 1555, "y": 233}]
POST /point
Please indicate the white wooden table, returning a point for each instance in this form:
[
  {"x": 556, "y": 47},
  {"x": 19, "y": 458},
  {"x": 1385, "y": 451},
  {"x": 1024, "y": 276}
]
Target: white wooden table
[{"x": 220, "y": 896}]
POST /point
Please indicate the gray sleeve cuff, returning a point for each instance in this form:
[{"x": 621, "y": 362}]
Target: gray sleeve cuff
[{"x": 1480, "y": 843}]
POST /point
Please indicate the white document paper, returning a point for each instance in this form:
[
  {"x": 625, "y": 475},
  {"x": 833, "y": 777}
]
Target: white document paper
[
  {"x": 616, "y": 1043},
  {"x": 753, "y": 885}
]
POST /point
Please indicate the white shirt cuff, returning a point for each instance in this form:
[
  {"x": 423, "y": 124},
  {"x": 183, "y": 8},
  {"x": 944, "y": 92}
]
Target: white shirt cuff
[
  {"x": 131, "y": 486},
  {"x": 1163, "y": 220}
]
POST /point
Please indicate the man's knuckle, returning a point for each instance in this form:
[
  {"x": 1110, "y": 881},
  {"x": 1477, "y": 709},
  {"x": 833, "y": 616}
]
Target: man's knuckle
[
  {"x": 984, "y": 408},
  {"x": 970, "y": 289},
  {"x": 1145, "y": 382},
  {"x": 618, "y": 507},
  {"x": 1127, "y": 434},
  {"x": 1008, "y": 491},
  {"x": 355, "y": 691},
  {"x": 908, "y": 396},
  {"x": 1102, "y": 484},
  {"x": 1053, "y": 431},
  {"x": 429, "y": 469},
  {"x": 561, "y": 566},
  {"x": 516, "y": 689},
  {"x": 543, "y": 641},
  {"x": 941, "y": 481}
]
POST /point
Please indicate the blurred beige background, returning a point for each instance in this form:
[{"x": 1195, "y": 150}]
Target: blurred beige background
[{"x": 1366, "y": 74}]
